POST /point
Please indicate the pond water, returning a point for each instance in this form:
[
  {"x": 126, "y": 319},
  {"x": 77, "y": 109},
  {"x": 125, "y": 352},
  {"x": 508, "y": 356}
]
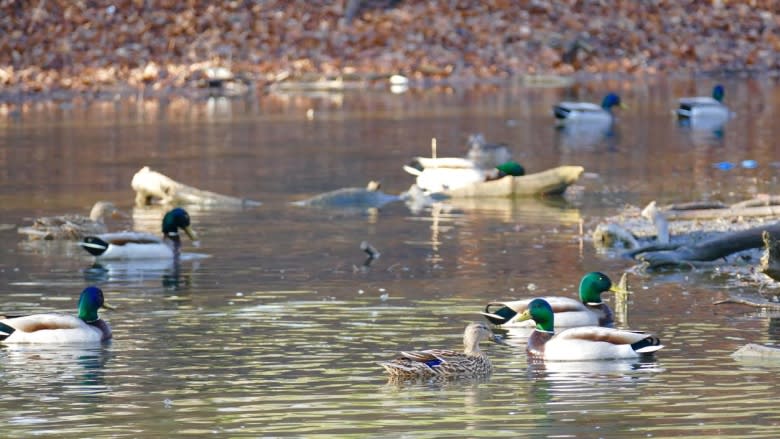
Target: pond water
[{"x": 278, "y": 333}]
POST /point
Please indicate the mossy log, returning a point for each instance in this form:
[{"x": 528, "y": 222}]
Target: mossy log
[
  {"x": 152, "y": 186},
  {"x": 710, "y": 249}
]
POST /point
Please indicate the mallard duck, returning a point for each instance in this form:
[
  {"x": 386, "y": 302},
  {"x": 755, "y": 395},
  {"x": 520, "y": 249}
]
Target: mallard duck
[
  {"x": 59, "y": 328},
  {"x": 582, "y": 343},
  {"x": 446, "y": 363},
  {"x": 438, "y": 179},
  {"x": 590, "y": 310},
  {"x": 72, "y": 226},
  {"x": 587, "y": 113},
  {"x": 704, "y": 109},
  {"x": 141, "y": 245}
]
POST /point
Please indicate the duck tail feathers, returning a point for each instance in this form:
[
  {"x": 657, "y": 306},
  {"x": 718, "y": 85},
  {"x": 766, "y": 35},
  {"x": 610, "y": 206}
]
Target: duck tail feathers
[
  {"x": 647, "y": 345},
  {"x": 94, "y": 245},
  {"x": 5, "y": 331},
  {"x": 498, "y": 316}
]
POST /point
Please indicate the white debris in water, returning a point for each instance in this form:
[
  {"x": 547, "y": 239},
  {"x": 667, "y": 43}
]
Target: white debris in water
[
  {"x": 531, "y": 287},
  {"x": 384, "y": 297},
  {"x": 361, "y": 291}
]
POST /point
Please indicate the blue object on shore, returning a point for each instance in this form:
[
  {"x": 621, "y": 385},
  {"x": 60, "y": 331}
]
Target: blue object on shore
[
  {"x": 749, "y": 164},
  {"x": 724, "y": 166}
]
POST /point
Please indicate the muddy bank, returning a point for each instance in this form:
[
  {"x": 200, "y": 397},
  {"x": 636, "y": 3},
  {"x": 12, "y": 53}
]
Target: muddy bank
[{"x": 58, "y": 49}]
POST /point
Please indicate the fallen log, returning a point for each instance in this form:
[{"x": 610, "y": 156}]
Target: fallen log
[
  {"x": 151, "y": 186},
  {"x": 731, "y": 212},
  {"x": 757, "y": 302},
  {"x": 710, "y": 249},
  {"x": 770, "y": 260},
  {"x": 757, "y": 351}
]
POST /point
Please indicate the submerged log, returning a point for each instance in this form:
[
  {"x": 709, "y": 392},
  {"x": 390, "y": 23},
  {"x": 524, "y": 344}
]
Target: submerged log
[
  {"x": 710, "y": 249},
  {"x": 151, "y": 186},
  {"x": 757, "y": 351}
]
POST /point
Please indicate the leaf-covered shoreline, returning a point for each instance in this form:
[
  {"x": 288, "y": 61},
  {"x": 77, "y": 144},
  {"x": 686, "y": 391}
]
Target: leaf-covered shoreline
[{"x": 67, "y": 47}]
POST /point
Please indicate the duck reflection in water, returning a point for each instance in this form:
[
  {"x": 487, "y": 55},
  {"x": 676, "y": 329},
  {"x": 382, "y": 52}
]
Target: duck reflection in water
[
  {"x": 61, "y": 369},
  {"x": 169, "y": 272}
]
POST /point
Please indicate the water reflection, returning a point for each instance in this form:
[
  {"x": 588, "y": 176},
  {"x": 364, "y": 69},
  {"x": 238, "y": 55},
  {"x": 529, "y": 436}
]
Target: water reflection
[
  {"x": 588, "y": 137},
  {"x": 168, "y": 271},
  {"x": 68, "y": 369}
]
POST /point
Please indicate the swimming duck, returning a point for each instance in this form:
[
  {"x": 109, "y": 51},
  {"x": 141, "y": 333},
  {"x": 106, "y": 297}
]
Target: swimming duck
[
  {"x": 584, "y": 343},
  {"x": 59, "y": 328},
  {"x": 141, "y": 245},
  {"x": 446, "y": 363},
  {"x": 444, "y": 177},
  {"x": 72, "y": 226},
  {"x": 704, "y": 109},
  {"x": 587, "y": 113},
  {"x": 590, "y": 310}
]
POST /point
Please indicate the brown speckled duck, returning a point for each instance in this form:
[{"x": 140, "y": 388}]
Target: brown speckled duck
[
  {"x": 435, "y": 363},
  {"x": 72, "y": 226}
]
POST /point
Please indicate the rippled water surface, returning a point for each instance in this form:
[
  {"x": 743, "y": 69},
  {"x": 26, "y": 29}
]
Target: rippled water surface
[{"x": 278, "y": 332}]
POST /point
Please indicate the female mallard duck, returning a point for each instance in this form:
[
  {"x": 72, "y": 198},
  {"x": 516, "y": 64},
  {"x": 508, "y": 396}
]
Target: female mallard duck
[
  {"x": 587, "y": 113},
  {"x": 72, "y": 226},
  {"x": 446, "y": 363},
  {"x": 704, "y": 109},
  {"x": 590, "y": 310},
  {"x": 140, "y": 245},
  {"x": 584, "y": 343},
  {"x": 59, "y": 328}
]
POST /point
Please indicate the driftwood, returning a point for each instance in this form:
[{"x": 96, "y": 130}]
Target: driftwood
[
  {"x": 710, "y": 249},
  {"x": 757, "y": 302},
  {"x": 730, "y": 212},
  {"x": 151, "y": 186},
  {"x": 550, "y": 182},
  {"x": 770, "y": 260},
  {"x": 757, "y": 351}
]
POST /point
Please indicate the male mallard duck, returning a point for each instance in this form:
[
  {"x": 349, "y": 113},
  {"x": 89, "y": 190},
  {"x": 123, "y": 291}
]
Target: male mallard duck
[
  {"x": 446, "y": 363},
  {"x": 438, "y": 179},
  {"x": 141, "y": 245},
  {"x": 588, "y": 311},
  {"x": 586, "y": 112},
  {"x": 59, "y": 328},
  {"x": 583, "y": 343},
  {"x": 704, "y": 109},
  {"x": 71, "y": 226}
]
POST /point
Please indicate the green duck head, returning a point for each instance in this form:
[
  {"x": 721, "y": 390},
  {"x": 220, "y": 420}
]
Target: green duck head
[
  {"x": 90, "y": 301},
  {"x": 174, "y": 220},
  {"x": 717, "y": 93},
  {"x": 540, "y": 311},
  {"x": 593, "y": 284},
  {"x": 611, "y": 100},
  {"x": 511, "y": 168}
]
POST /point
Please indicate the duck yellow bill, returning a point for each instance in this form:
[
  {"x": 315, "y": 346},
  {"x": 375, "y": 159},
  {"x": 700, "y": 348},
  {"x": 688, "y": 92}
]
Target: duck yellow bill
[
  {"x": 191, "y": 233},
  {"x": 619, "y": 289},
  {"x": 526, "y": 315},
  {"x": 107, "y": 306}
]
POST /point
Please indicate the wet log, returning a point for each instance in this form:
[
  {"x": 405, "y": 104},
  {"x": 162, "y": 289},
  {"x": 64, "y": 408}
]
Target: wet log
[
  {"x": 757, "y": 351},
  {"x": 770, "y": 260},
  {"x": 710, "y": 249},
  {"x": 658, "y": 219},
  {"x": 757, "y": 302},
  {"x": 731, "y": 212},
  {"x": 152, "y": 186},
  {"x": 767, "y": 200}
]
